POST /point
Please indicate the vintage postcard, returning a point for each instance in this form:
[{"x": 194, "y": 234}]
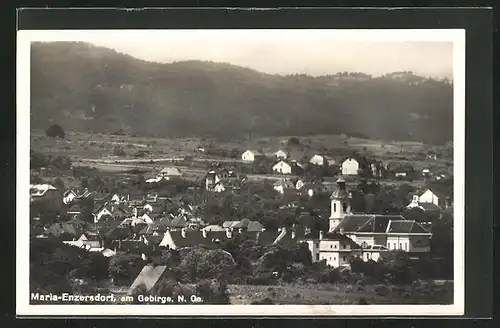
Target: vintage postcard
[{"x": 240, "y": 172}]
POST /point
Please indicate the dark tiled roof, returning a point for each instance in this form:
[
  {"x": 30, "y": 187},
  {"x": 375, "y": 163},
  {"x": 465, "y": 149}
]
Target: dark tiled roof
[
  {"x": 148, "y": 277},
  {"x": 341, "y": 238},
  {"x": 352, "y": 223},
  {"x": 405, "y": 226},
  {"x": 378, "y": 223}
]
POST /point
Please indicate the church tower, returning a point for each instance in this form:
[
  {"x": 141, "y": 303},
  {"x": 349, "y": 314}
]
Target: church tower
[{"x": 340, "y": 203}]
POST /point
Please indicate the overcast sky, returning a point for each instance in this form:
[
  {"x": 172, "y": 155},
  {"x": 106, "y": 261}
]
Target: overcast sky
[{"x": 287, "y": 52}]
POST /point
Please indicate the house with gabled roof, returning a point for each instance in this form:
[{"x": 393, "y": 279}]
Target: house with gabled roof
[
  {"x": 440, "y": 195},
  {"x": 350, "y": 166},
  {"x": 280, "y": 154},
  {"x": 68, "y": 196},
  {"x": 169, "y": 172},
  {"x": 317, "y": 160},
  {"x": 282, "y": 167}
]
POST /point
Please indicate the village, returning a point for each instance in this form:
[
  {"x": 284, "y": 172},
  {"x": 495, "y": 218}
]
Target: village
[{"x": 338, "y": 208}]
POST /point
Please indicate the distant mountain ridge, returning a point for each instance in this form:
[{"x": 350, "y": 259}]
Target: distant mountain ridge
[{"x": 89, "y": 88}]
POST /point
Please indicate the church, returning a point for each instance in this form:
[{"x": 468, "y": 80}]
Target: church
[{"x": 364, "y": 235}]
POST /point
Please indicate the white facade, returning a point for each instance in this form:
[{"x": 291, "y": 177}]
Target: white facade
[
  {"x": 282, "y": 168},
  {"x": 350, "y": 167},
  {"x": 280, "y": 154},
  {"x": 248, "y": 156},
  {"x": 317, "y": 160}
]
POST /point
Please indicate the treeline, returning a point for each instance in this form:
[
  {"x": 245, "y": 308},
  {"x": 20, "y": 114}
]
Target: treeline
[{"x": 96, "y": 89}]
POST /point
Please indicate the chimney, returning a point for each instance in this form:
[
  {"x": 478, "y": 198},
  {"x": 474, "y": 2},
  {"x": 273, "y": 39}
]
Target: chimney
[
  {"x": 144, "y": 257},
  {"x": 229, "y": 233},
  {"x": 204, "y": 233},
  {"x": 320, "y": 234},
  {"x": 135, "y": 212},
  {"x": 240, "y": 230},
  {"x": 263, "y": 229},
  {"x": 294, "y": 234},
  {"x": 183, "y": 232}
]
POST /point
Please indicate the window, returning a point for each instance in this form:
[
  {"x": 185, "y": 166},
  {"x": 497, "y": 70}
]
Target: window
[
  {"x": 317, "y": 257},
  {"x": 400, "y": 246},
  {"x": 335, "y": 246},
  {"x": 344, "y": 206},
  {"x": 389, "y": 245},
  {"x": 335, "y": 207},
  {"x": 406, "y": 246},
  {"x": 334, "y": 258},
  {"x": 394, "y": 245},
  {"x": 343, "y": 258},
  {"x": 331, "y": 246}
]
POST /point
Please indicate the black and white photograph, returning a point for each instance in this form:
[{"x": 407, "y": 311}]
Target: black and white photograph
[{"x": 240, "y": 172}]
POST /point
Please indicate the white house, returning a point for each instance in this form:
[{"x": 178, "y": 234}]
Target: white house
[
  {"x": 248, "y": 156},
  {"x": 436, "y": 197},
  {"x": 350, "y": 167},
  {"x": 103, "y": 211},
  {"x": 280, "y": 154},
  {"x": 219, "y": 187},
  {"x": 169, "y": 173},
  {"x": 317, "y": 160},
  {"x": 282, "y": 168}
]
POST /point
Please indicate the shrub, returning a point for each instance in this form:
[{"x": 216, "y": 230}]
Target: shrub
[
  {"x": 381, "y": 290},
  {"x": 213, "y": 292},
  {"x": 362, "y": 301},
  {"x": 55, "y": 131}
]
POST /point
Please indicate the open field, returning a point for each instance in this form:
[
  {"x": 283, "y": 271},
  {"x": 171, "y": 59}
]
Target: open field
[
  {"x": 340, "y": 294},
  {"x": 102, "y": 146}
]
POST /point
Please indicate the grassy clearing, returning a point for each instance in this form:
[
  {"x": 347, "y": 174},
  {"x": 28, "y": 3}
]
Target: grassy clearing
[{"x": 341, "y": 294}]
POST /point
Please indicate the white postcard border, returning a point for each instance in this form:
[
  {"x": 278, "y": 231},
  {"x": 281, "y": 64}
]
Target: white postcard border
[{"x": 23, "y": 308}]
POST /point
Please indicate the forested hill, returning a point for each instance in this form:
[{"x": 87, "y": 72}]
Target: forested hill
[{"x": 88, "y": 88}]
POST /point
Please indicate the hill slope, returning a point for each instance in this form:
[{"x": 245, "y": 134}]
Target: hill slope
[{"x": 88, "y": 88}]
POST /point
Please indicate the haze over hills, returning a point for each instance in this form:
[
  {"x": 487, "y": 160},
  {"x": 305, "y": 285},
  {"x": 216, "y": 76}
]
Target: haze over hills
[{"x": 89, "y": 88}]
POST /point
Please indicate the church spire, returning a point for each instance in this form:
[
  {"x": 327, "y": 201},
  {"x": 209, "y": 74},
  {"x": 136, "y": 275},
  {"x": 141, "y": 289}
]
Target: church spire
[{"x": 340, "y": 203}]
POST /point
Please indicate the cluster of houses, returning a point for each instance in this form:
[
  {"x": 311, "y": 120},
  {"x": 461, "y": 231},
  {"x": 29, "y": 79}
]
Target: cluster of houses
[
  {"x": 151, "y": 222},
  {"x": 285, "y": 164}
]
